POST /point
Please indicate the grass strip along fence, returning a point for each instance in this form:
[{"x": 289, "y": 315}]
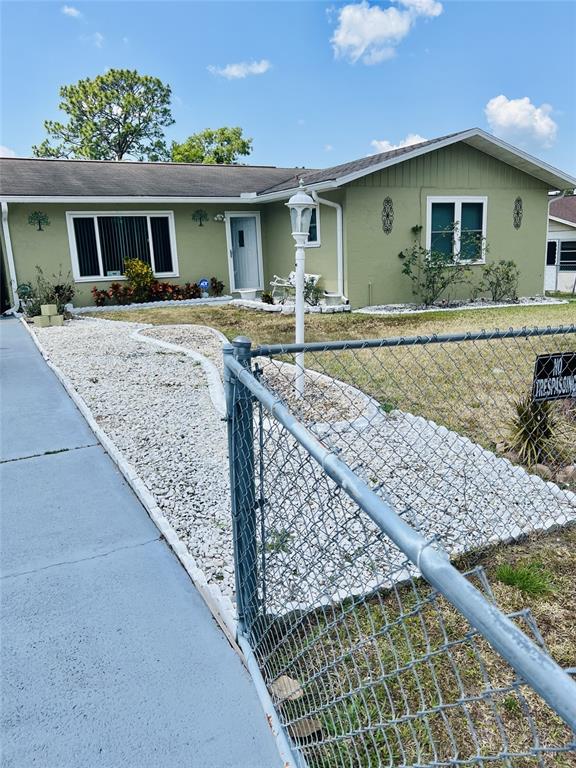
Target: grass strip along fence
[{"x": 366, "y": 515}]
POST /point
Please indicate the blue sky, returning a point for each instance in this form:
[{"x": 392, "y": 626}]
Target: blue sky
[{"x": 313, "y": 83}]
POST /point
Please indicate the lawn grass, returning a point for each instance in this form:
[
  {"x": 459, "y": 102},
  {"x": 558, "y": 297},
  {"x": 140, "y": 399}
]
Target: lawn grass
[
  {"x": 471, "y": 388},
  {"x": 272, "y": 328},
  {"x": 381, "y": 661}
]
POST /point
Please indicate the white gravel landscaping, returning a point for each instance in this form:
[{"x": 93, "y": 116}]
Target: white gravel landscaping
[
  {"x": 455, "y": 306},
  {"x": 154, "y": 403}
]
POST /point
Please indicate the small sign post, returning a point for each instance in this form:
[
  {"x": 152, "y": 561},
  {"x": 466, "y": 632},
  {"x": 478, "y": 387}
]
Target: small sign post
[{"x": 554, "y": 377}]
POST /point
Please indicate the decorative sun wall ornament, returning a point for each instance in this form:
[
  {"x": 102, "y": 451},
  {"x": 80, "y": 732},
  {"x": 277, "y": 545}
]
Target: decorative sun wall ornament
[
  {"x": 38, "y": 218},
  {"x": 387, "y": 215},
  {"x": 200, "y": 216},
  {"x": 517, "y": 213}
]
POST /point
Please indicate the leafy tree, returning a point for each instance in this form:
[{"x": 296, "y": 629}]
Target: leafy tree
[
  {"x": 222, "y": 145},
  {"x": 111, "y": 116}
]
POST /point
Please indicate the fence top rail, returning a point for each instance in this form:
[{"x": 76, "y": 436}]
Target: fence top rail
[
  {"x": 531, "y": 662},
  {"x": 268, "y": 350}
]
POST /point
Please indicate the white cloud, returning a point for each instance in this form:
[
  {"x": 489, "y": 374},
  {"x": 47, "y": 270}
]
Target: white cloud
[
  {"x": 69, "y": 10},
  {"x": 328, "y": 147},
  {"x": 96, "y": 39},
  {"x": 241, "y": 70},
  {"x": 383, "y": 145},
  {"x": 6, "y": 151},
  {"x": 521, "y": 119},
  {"x": 370, "y": 34}
]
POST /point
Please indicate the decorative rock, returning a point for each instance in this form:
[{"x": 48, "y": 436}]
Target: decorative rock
[
  {"x": 41, "y": 321},
  {"x": 56, "y": 320},
  {"x": 567, "y": 475},
  {"x": 48, "y": 309},
  {"x": 286, "y": 689},
  {"x": 542, "y": 471}
]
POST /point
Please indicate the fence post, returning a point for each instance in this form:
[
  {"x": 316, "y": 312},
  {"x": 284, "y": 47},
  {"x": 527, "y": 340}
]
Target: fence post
[{"x": 242, "y": 484}]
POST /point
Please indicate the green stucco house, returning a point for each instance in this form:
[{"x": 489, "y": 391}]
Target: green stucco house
[{"x": 193, "y": 221}]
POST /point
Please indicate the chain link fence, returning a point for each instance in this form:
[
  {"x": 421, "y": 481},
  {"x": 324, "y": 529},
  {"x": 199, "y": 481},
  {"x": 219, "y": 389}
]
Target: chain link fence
[{"x": 349, "y": 501}]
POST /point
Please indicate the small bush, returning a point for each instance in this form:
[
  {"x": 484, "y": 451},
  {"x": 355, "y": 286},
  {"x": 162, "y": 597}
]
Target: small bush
[
  {"x": 312, "y": 292},
  {"x": 59, "y": 290},
  {"x": 532, "y": 432},
  {"x": 216, "y": 287},
  {"x": 530, "y": 578},
  {"x": 140, "y": 277},
  {"x": 500, "y": 280},
  {"x": 267, "y": 298}
]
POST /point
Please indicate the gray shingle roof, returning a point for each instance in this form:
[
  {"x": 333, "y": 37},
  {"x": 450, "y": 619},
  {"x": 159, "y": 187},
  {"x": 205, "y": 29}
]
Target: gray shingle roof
[
  {"x": 565, "y": 208},
  {"x": 93, "y": 178},
  {"x": 338, "y": 171}
]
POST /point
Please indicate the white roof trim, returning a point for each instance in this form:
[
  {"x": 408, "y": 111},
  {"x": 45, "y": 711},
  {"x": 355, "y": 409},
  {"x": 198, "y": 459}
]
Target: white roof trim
[
  {"x": 127, "y": 199},
  {"x": 563, "y": 221}
]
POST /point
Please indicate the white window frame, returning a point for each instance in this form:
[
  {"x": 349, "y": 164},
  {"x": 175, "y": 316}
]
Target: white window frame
[
  {"x": 71, "y": 215},
  {"x": 458, "y": 200},
  {"x": 228, "y": 215},
  {"x": 318, "y": 242}
]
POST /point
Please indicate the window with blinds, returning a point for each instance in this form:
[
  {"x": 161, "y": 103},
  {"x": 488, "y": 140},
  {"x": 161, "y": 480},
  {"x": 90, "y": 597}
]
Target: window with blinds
[
  {"x": 102, "y": 243},
  {"x": 457, "y": 227}
]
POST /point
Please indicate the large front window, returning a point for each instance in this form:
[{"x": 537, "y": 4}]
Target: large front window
[
  {"x": 100, "y": 243},
  {"x": 567, "y": 262},
  {"x": 457, "y": 227}
]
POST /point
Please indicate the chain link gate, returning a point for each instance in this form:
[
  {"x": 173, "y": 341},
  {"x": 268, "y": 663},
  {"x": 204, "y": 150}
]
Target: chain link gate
[{"x": 349, "y": 504}]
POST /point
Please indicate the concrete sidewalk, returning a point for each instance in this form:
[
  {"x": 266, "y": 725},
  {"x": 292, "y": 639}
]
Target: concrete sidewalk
[{"x": 110, "y": 658}]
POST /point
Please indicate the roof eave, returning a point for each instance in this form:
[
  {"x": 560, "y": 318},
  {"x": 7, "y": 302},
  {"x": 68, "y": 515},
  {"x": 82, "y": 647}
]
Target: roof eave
[
  {"x": 118, "y": 199},
  {"x": 566, "y": 222}
]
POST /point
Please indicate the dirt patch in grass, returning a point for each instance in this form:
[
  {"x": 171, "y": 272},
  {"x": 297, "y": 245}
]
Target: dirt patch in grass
[{"x": 394, "y": 679}]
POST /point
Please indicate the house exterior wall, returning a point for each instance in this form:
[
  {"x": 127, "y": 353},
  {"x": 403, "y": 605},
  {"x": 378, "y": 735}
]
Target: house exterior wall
[
  {"x": 373, "y": 269},
  {"x": 565, "y": 281},
  {"x": 278, "y": 244},
  {"x": 202, "y": 251}
]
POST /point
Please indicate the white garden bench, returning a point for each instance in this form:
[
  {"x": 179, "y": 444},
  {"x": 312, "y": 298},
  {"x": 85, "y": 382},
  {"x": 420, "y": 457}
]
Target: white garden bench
[{"x": 284, "y": 287}]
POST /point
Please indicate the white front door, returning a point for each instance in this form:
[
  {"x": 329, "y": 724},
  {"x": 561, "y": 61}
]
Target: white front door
[
  {"x": 551, "y": 268},
  {"x": 243, "y": 230}
]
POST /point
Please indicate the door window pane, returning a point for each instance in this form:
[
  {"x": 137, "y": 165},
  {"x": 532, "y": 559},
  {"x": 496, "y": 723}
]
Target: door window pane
[
  {"x": 161, "y": 244},
  {"x": 86, "y": 247},
  {"x": 551, "y": 253}
]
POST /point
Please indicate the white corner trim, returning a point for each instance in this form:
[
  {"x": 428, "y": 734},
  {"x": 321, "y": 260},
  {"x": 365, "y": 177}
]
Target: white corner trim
[
  {"x": 219, "y": 605},
  {"x": 10, "y": 259},
  {"x": 563, "y": 221}
]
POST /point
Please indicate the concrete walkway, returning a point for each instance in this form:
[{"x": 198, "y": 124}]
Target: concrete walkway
[{"x": 110, "y": 658}]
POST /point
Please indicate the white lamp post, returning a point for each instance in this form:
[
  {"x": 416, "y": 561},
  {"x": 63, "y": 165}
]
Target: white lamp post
[{"x": 301, "y": 206}]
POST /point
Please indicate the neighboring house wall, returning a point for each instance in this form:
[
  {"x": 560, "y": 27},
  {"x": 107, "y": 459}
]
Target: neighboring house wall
[
  {"x": 373, "y": 269},
  {"x": 279, "y": 246},
  {"x": 565, "y": 281},
  {"x": 201, "y": 251}
]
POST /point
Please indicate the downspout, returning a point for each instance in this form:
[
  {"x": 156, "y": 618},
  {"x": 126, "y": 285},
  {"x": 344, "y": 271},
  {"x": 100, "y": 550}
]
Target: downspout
[
  {"x": 10, "y": 259},
  {"x": 339, "y": 239}
]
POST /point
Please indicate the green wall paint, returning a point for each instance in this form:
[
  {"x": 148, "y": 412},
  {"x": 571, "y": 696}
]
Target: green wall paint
[
  {"x": 372, "y": 255},
  {"x": 202, "y": 251},
  {"x": 279, "y": 247}
]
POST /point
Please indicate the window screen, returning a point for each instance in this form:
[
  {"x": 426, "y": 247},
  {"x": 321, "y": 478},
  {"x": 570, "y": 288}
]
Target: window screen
[
  {"x": 471, "y": 231},
  {"x": 86, "y": 247},
  {"x": 161, "y": 244},
  {"x": 442, "y": 228},
  {"x": 551, "y": 253},
  {"x": 313, "y": 228},
  {"x": 567, "y": 261}
]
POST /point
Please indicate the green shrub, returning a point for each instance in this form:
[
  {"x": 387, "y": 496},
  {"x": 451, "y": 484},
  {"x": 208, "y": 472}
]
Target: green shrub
[
  {"x": 216, "y": 287},
  {"x": 530, "y": 578},
  {"x": 140, "y": 277},
  {"x": 58, "y": 290},
  {"x": 312, "y": 292},
  {"x": 500, "y": 280},
  {"x": 267, "y": 298},
  {"x": 532, "y": 432}
]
